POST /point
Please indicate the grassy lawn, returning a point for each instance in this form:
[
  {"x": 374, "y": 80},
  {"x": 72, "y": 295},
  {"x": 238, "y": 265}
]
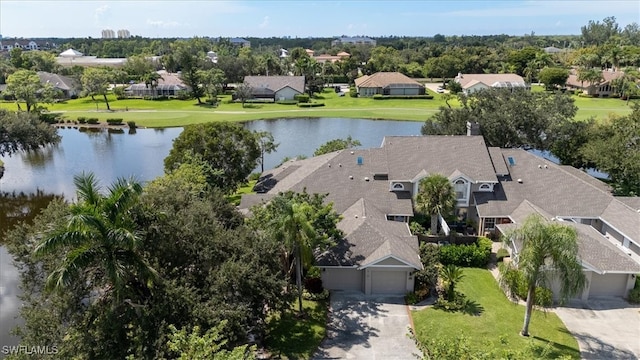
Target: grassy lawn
[
  {"x": 498, "y": 325},
  {"x": 170, "y": 113},
  {"x": 246, "y": 189},
  {"x": 293, "y": 338}
]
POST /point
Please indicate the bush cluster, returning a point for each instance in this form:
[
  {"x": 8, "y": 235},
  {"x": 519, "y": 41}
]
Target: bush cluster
[
  {"x": 411, "y": 298},
  {"x": 50, "y": 118},
  {"x": 131, "y": 124},
  {"x": 502, "y": 253},
  {"x": 287, "y": 102},
  {"x": 473, "y": 255},
  {"x": 114, "y": 121},
  {"x": 308, "y": 105},
  {"x": 403, "y": 97},
  {"x": 92, "y": 121},
  {"x": 634, "y": 294},
  {"x": 324, "y": 295},
  {"x": 514, "y": 279},
  {"x": 353, "y": 92},
  {"x": 303, "y": 98},
  {"x": 82, "y": 119}
]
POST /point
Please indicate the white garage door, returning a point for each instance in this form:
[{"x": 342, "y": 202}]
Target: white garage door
[
  {"x": 608, "y": 285},
  {"x": 342, "y": 279},
  {"x": 388, "y": 282}
]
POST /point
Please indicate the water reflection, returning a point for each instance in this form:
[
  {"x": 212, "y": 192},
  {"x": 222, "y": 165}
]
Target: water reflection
[{"x": 16, "y": 208}]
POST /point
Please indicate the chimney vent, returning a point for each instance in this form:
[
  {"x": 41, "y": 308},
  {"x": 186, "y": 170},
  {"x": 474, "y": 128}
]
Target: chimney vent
[{"x": 473, "y": 129}]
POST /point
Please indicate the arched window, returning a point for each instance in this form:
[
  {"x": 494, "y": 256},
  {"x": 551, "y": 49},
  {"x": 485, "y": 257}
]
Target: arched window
[
  {"x": 461, "y": 188},
  {"x": 397, "y": 186},
  {"x": 485, "y": 187}
]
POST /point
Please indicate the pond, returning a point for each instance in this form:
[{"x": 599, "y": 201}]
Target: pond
[{"x": 32, "y": 180}]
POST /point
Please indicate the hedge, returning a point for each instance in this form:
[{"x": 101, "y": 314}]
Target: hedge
[
  {"x": 287, "y": 102},
  {"x": 307, "y": 105},
  {"x": 114, "y": 121},
  {"x": 92, "y": 121},
  {"x": 474, "y": 255},
  {"x": 303, "y": 98},
  {"x": 404, "y": 97}
]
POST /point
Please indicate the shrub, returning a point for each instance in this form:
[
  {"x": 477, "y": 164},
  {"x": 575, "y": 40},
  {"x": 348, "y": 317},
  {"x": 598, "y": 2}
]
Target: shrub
[
  {"x": 324, "y": 295},
  {"x": 473, "y": 255},
  {"x": 502, "y": 253},
  {"x": 403, "y": 97},
  {"x": 287, "y": 102},
  {"x": 634, "y": 296},
  {"x": 254, "y": 176},
  {"x": 131, "y": 124},
  {"x": 411, "y": 298},
  {"x": 82, "y": 119},
  {"x": 514, "y": 279},
  {"x": 50, "y": 118},
  {"x": 114, "y": 121},
  {"x": 92, "y": 121},
  {"x": 308, "y": 105},
  {"x": 313, "y": 285},
  {"x": 353, "y": 92},
  {"x": 303, "y": 98},
  {"x": 416, "y": 228}
]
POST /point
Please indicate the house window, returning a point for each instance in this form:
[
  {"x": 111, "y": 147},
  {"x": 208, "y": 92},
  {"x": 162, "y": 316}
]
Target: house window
[
  {"x": 460, "y": 187},
  {"x": 485, "y": 187},
  {"x": 489, "y": 223},
  {"x": 397, "y": 187}
]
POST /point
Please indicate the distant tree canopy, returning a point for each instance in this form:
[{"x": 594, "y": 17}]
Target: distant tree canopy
[
  {"x": 553, "y": 77},
  {"x": 507, "y": 119},
  {"x": 336, "y": 144},
  {"x": 25, "y": 86},
  {"x": 229, "y": 149}
]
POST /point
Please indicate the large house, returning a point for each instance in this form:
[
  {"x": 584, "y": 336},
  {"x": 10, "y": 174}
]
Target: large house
[
  {"x": 373, "y": 189},
  {"x": 275, "y": 87},
  {"x": 71, "y": 57},
  {"x": 25, "y": 44},
  {"x": 471, "y": 83},
  {"x": 65, "y": 86},
  {"x": 600, "y": 88},
  {"x": 388, "y": 83},
  {"x": 168, "y": 85},
  {"x": 357, "y": 40}
]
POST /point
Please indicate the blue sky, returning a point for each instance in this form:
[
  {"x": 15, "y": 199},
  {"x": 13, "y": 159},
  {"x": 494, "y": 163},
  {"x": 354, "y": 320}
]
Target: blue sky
[{"x": 302, "y": 18}]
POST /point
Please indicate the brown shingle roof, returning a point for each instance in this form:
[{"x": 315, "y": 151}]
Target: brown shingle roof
[
  {"x": 384, "y": 79},
  {"x": 275, "y": 83},
  {"x": 468, "y": 80}
]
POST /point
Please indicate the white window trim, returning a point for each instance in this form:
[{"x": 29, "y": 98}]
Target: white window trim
[{"x": 396, "y": 186}]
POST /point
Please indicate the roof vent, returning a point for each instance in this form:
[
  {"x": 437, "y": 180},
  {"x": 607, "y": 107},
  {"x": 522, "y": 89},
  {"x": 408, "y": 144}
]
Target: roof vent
[
  {"x": 360, "y": 160},
  {"x": 366, "y": 178},
  {"x": 546, "y": 166},
  {"x": 351, "y": 177},
  {"x": 340, "y": 164},
  {"x": 329, "y": 165},
  {"x": 539, "y": 166},
  {"x": 352, "y": 152},
  {"x": 520, "y": 181}
]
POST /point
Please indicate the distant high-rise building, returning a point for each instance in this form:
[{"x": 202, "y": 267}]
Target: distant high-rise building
[
  {"x": 108, "y": 34},
  {"x": 124, "y": 34}
]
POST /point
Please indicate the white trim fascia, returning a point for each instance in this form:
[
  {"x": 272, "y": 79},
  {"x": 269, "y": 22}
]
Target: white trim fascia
[
  {"x": 619, "y": 272},
  {"x": 590, "y": 267},
  {"x": 374, "y": 262},
  {"x": 338, "y": 266}
]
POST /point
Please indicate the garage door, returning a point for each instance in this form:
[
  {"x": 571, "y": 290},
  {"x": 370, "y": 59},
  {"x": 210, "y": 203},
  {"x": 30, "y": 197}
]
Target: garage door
[
  {"x": 342, "y": 279},
  {"x": 608, "y": 285},
  {"x": 388, "y": 282}
]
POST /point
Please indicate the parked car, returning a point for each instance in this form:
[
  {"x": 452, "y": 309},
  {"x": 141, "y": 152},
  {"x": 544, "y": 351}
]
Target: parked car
[{"x": 439, "y": 90}]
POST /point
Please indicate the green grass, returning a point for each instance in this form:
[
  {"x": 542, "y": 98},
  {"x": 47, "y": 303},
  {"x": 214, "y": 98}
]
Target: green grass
[
  {"x": 245, "y": 189},
  {"x": 171, "y": 113},
  {"x": 294, "y": 338},
  {"x": 499, "y": 323}
]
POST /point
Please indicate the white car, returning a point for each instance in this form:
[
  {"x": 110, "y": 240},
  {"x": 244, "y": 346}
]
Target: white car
[{"x": 439, "y": 90}]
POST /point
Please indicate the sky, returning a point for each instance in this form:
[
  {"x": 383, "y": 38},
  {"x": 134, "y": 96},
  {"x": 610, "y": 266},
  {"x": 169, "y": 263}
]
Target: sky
[{"x": 304, "y": 18}]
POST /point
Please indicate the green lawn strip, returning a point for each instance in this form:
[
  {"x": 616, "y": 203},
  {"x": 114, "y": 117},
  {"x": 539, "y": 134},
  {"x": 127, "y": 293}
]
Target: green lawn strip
[
  {"x": 498, "y": 325},
  {"x": 173, "y": 113},
  {"x": 245, "y": 189},
  {"x": 294, "y": 338}
]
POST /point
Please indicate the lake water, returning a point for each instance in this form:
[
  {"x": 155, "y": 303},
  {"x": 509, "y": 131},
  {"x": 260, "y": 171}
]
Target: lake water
[{"x": 31, "y": 180}]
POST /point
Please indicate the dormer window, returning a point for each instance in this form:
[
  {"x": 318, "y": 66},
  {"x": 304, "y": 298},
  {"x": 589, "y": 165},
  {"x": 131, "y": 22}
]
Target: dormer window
[
  {"x": 397, "y": 187},
  {"x": 460, "y": 187},
  {"x": 486, "y": 187}
]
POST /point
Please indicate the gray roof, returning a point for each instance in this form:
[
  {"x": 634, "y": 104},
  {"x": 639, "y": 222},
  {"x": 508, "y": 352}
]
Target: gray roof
[
  {"x": 631, "y": 201},
  {"x": 408, "y": 155},
  {"x": 275, "y": 83},
  {"x": 58, "y": 81}
]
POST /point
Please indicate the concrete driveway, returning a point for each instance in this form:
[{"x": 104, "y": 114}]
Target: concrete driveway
[
  {"x": 606, "y": 328},
  {"x": 367, "y": 327}
]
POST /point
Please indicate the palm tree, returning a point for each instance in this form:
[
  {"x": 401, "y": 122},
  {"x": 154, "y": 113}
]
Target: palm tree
[
  {"x": 591, "y": 76},
  {"x": 436, "y": 196},
  {"x": 451, "y": 275},
  {"x": 100, "y": 242},
  {"x": 549, "y": 250},
  {"x": 294, "y": 226}
]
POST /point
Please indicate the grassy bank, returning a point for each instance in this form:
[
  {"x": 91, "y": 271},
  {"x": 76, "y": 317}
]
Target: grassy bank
[
  {"x": 497, "y": 326},
  {"x": 169, "y": 113}
]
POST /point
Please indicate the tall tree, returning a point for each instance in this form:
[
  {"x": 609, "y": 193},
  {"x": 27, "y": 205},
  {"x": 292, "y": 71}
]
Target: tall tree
[
  {"x": 267, "y": 145},
  {"x": 337, "y": 144},
  {"x": 243, "y": 93},
  {"x": 302, "y": 224},
  {"x": 436, "y": 196},
  {"x": 25, "y": 86},
  {"x": 23, "y": 132},
  {"x": 212, "y": 83},
  {"x": 189, "y": 55},
  {"x": 553, "y": 77},
  {"x": 100, "y": 245},
  {"x": 548, "y": 250},
  {"x": 228, "y": 148},
  {"x": 614, "y": 147},
  {"x": 95, "y": 81}
]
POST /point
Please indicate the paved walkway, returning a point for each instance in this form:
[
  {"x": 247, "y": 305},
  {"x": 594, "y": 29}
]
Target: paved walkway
[{"x": 368, "y": 328}]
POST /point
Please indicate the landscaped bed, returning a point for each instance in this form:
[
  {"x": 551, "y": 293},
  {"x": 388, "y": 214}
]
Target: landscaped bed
[{"x": 494, "y": 332}]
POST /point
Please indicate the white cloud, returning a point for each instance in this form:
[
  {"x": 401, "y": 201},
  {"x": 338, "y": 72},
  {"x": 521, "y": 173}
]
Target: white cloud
[
  {"x": 101, "y": 12},
  {"x": 163, "y": 24},
  {"x": 265, "y": 23}
]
